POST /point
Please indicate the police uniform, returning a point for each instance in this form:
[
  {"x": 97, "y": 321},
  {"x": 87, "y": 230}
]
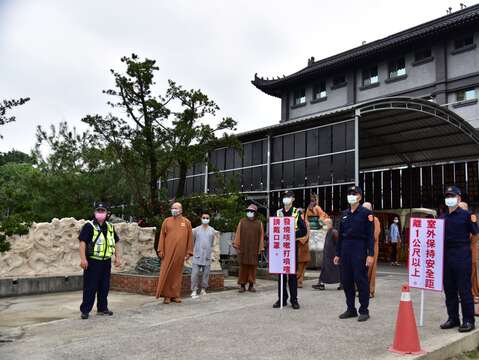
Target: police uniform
[
  {"x": 100, "y": 247},
  {"x": 459, "y": 225},
  {"x": 355, "y": 243},
  {"x": 291, "y": 279}
]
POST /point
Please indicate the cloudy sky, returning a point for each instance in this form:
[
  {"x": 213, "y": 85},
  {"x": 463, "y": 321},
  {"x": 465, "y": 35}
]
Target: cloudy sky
[{"x": 59, "y": 53}]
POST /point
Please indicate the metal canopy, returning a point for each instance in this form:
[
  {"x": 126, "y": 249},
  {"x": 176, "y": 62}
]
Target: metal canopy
[{"x": 405, "y": 131}]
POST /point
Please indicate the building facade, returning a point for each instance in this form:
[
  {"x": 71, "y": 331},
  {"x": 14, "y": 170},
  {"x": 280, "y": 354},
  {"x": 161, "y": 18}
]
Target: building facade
[{"x": 399, "y": 116}]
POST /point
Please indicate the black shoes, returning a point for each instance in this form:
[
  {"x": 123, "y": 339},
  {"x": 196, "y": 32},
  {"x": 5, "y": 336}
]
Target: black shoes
[
  {"x": 84, "y": 316},
  {"x": 449, "y": 324},
  {"x": 466, "y": 327},
  {"x": 295, "y": 306},
  {"x": 319, "y": 287},
  {"x": 105, "y": 312},
  {"x": 348, "y": 314},
  {"x": 363, "y": 317},
  {"x": 277, "y": 304}
]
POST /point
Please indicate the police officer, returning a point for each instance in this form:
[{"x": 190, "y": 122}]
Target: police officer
[
  {"x": 459, "y": 226},
  {"x": 97, "y": 245},
  {"x": 355, "y": 251},
  {"x": 301, "y": 230}
]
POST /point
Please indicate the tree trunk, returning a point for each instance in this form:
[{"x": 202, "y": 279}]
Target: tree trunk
[{"x": 181, "y": 184}]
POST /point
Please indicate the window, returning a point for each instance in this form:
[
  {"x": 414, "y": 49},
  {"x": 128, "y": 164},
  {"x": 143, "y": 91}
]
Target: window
[
  {"x": 319, "y": 90},
  {"x": 300, "y": 96},
  {"x": 339, "y": 80},
  {"x": 397, "y": 68},
  {"x": 463, "y": 42},
  {"x": 422, "y": 54},
  {"x": 466, "y": 94},
  {"x": 370, "y": 76}
]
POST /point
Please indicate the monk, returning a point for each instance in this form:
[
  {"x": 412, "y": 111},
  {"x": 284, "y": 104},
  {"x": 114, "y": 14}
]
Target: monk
[
  {"x": 174, "y": 248},
  {"x": 303, "y": 256},
  {"x": 474, "y": 279},
  {"x": 373, "y": 267},
  {"x": 249, "y": 243},
  {"x": 315, "y": 210}
]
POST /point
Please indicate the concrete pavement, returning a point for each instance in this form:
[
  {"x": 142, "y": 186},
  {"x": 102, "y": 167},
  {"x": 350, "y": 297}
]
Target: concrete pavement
[{"x": 223, "y": 325}]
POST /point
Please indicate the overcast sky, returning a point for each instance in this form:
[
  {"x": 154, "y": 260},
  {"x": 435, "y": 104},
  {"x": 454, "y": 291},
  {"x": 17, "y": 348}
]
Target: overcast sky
[{"x": 59, "y": 53}]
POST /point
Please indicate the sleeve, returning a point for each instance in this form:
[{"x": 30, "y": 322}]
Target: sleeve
[
  {"x": 322, "y": 214},
  {"x": 261, "y": 239},
  {"x": 377, "y": 229},
  {"x": 304, "y": 239},
  {"x": 237, "y": 241},
  {"x": 86, "y": 233},
  {"x": 189, "y": 240},
  {"x": 161, "y": 243},
  {"x": 302, "y": 230},
  {"x": 339, "y": 243},
  {"x": 370, "y": 232},
  {"x": 473, "y": 227},
  {"x": 116, "y": 236}
]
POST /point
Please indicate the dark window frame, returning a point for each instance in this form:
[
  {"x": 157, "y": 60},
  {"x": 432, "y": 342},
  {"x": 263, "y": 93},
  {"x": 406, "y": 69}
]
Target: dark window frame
[
  {"x": 321, "y": 86},
  {"x": 299, "y": 94},
  {"x": 367, "y": 76}
]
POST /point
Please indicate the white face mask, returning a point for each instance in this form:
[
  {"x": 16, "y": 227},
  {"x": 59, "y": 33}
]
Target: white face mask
[
  {"x": 287, "y": 201},
  {"x": 175, "y": 212},
  {"x": 451, "y": 201},
  {"x": 396, "y": 221},
  {"x": 205, "y": 221},
  {"x": 352, "y": 199},
  {"x": 250, "y": 214}
]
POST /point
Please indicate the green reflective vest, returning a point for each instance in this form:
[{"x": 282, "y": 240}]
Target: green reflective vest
[
  {"x": 103, "y": 249},
  {"x": 294, "y": 214}
]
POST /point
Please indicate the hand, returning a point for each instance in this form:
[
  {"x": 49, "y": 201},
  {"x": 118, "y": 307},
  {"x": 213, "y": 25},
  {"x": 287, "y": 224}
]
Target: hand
[
  {"x": 84, "y": 264},
  {"x": 161, "y": 255},
  {"x": 117, "y": 262},
  {"x": 369, "y": 261},
  {"x": 336, "y": 260},
  {"x": 187, "y": 257}
]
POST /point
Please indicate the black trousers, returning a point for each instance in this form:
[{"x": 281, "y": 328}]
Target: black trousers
[
  {"x": 291, "y": 281},
  {"x": 394, "y": 252},
  {"x": 457, "y": 283},
  {"x": 354, "y": 274},
  {"x": 96, "y": 281}
]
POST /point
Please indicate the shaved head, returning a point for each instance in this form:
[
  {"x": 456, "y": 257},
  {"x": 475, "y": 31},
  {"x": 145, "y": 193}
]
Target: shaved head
[{"x": 177, "y": 205}]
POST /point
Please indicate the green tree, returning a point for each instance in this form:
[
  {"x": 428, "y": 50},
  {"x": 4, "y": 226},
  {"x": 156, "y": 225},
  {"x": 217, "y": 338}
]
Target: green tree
[
  {"x": 7, "y": 105},
  {"x": 15, "y": 156}
]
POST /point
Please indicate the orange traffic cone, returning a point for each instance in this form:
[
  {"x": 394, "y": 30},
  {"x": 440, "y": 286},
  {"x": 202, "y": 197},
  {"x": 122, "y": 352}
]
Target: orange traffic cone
[{"x": 406, "y": 338}]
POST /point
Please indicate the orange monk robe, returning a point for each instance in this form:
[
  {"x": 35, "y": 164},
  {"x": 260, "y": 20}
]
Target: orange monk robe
[
  {"x": 475, "y": 281},
  {"x": 372, "y": 268},
  {"x": 303, "y": 256},
  {"x": 316, "y": 211},
  {"x": 174, "y": 245}
]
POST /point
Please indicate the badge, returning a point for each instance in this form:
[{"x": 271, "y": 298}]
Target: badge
[
  {"x": 370, "y": 218},
  {"x": 473, "y": 218}
]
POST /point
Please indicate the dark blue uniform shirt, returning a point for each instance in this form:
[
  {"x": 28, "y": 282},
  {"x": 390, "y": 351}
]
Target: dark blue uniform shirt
[
  {"x": 459, "y": 225},
  {"x": 357, "y": 226}
]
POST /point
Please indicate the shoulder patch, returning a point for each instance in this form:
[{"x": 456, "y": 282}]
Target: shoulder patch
[
  {"x": 473, "y": 218},
  {"x": 370, "y": 217}
]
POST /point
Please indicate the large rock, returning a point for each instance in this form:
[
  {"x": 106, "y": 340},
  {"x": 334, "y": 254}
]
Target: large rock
[{"x": 52, "y": 248}]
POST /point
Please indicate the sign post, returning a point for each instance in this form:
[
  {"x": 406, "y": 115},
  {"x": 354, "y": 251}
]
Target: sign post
[
  {"x": 426, "y": 255},
  {"x": 282, "y": 251}
]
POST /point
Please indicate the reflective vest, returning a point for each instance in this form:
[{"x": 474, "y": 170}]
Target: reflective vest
[
  {"x": 103, "y": 249},
  {"x": 294, "y": 214}
]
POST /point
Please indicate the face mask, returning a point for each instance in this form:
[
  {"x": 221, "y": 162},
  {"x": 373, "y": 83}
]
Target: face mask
[
  {"x": 451, "y": 202},
  {"x": 287, "y": 201},
  {"x": 205, "y": 221},
  {"x": 250, "y": 214},
  {"x": 352, "y": 199},
  {"x": 100, "y": 217},
  {"x": 396, "y": 221},
  {"x": 175, "y": 212}
]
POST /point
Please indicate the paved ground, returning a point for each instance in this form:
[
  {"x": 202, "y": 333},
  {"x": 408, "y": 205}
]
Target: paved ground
[{"x": 223, "y": 325}]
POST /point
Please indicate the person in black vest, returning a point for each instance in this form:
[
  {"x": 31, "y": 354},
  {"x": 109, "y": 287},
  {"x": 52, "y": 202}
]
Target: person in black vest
[
  {"x": 301, "y": 230},
  {"x": 355, "y": 251},
  {"x": 97, "y": 245}
]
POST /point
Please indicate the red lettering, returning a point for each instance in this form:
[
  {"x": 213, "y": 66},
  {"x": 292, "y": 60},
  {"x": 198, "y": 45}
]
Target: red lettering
[{"x": 416, "y": 223}]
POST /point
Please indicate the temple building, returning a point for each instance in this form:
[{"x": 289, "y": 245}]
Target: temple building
[{"x": 398, "y": 116}]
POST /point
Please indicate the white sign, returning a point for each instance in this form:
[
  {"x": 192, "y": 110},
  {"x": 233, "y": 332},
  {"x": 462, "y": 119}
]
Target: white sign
[
  {"x": 282, "y": 241},
  {"x": 426, "y": 253}
]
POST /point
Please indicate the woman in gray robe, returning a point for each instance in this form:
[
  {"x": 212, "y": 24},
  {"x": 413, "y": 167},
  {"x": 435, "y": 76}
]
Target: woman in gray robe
[{"x": 329, "y": 272}]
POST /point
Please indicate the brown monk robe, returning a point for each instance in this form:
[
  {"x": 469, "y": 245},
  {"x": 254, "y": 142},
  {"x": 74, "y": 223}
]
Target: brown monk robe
[
  {"x": 249, "y": 242},
  {"x": 175, "y": 246},
  {"x": 474, "y": 279},
  {"x": 303, "y": 256},
  {"x": 373, "y": 267},
  {"x": 315, "y": 210}
]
